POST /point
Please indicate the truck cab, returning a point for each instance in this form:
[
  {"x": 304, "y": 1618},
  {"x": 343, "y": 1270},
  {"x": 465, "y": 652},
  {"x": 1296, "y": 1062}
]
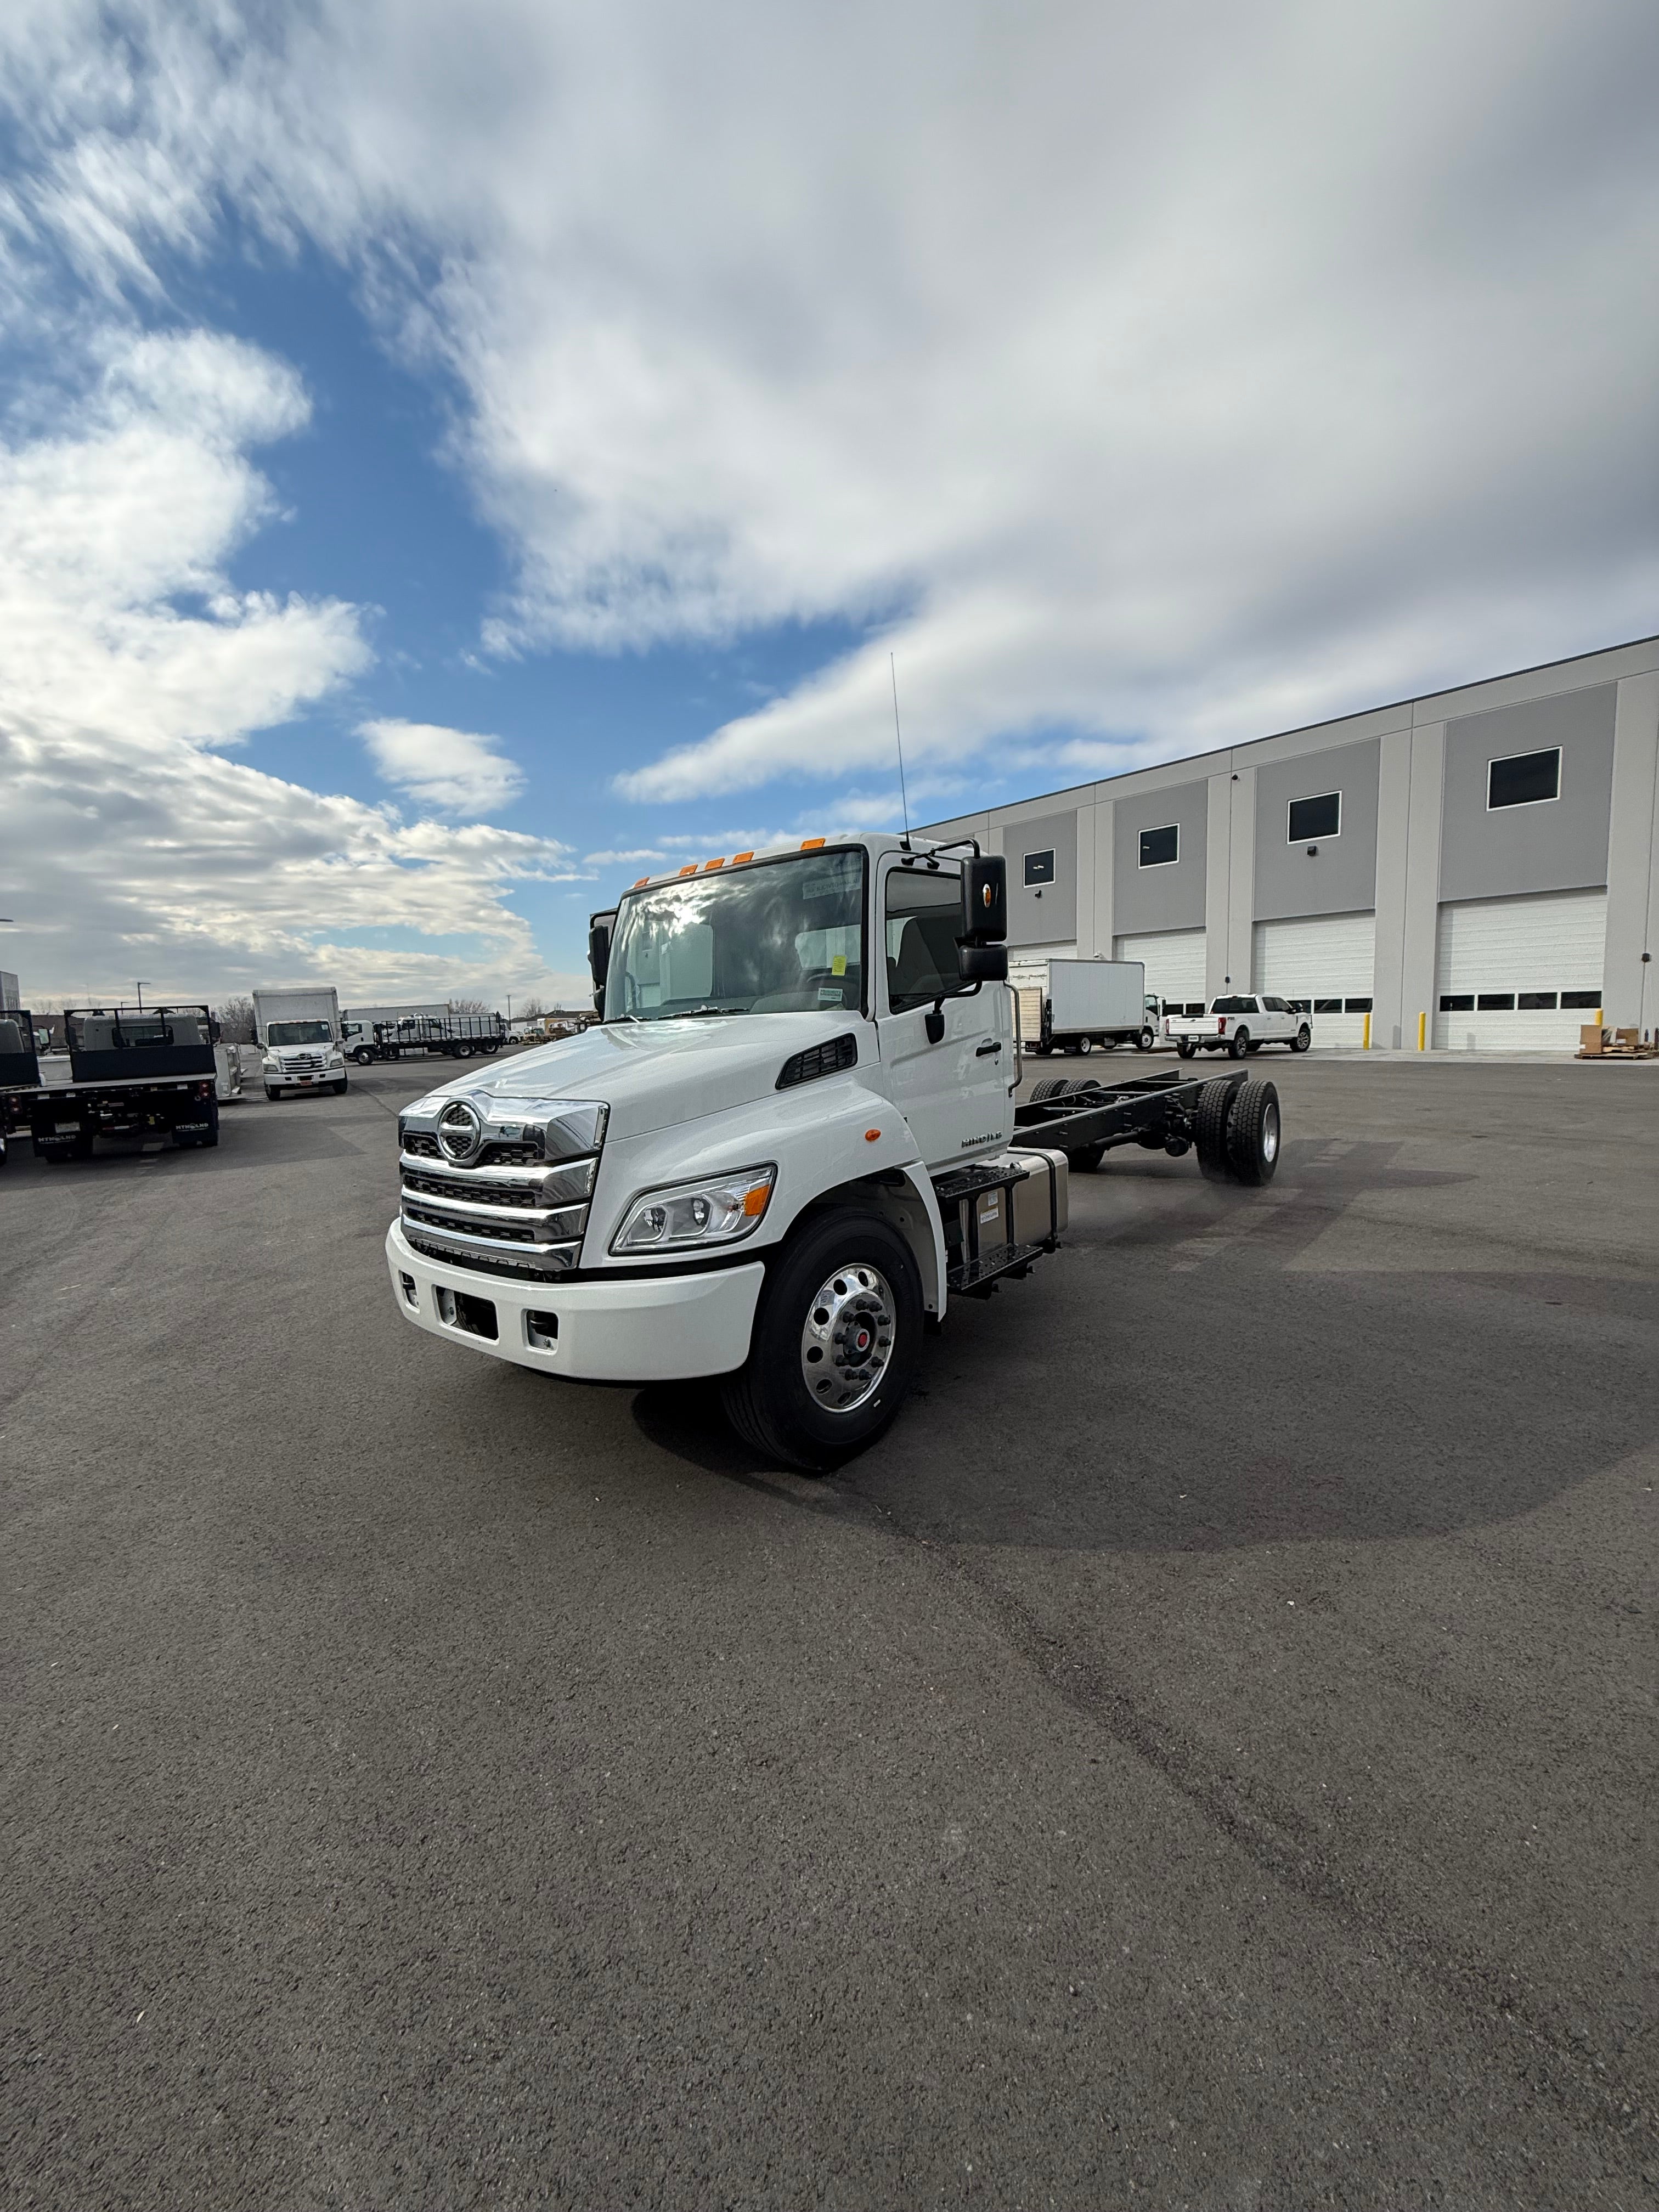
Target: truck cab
[{"x": 797, "y": 1051}]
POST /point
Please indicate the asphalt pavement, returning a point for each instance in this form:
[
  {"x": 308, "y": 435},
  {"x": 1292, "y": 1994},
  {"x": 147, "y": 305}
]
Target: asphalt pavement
[{"x": 1204, "y": 1757}]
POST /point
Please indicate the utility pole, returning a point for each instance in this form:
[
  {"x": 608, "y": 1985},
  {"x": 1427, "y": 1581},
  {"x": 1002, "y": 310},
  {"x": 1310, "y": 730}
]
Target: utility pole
[{"x": 141, "y": 992}]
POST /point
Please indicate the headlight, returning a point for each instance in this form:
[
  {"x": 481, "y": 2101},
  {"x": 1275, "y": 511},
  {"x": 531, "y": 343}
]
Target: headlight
[{"x": 718, "y": 1210}]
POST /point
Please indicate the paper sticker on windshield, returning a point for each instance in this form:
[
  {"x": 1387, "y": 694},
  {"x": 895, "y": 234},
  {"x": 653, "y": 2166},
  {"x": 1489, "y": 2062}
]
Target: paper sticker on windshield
[
  {"x": 828, "y": 995},
  {"x": 838, "y": 965}
]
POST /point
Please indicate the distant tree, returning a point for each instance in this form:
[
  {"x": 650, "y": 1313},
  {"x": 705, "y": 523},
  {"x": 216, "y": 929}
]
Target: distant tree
[
  {"x": 469, "y": 1007},
  {"x": 531, "y": 1010},
  {"x": 235, "y": 1017}
]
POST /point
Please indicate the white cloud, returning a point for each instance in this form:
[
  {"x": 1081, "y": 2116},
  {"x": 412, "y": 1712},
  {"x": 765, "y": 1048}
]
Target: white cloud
[
  {"x": 1156, "y": 376},
  {"x": 128, "y": 845},
  {"x": 453, "y": 771}
]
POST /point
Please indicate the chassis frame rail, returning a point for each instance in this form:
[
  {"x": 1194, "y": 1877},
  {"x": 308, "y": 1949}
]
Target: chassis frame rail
[{"x": 1160, "y": 1105}]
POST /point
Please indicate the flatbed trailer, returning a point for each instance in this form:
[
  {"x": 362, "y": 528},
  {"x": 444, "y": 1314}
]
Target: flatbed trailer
[
  {"x": 457, "y": 1037},
  {"x": 128, "y": 1072}
]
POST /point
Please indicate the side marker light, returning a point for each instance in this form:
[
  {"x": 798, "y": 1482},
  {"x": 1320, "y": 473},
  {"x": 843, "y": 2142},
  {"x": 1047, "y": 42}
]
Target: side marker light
[{"x": 870, "y": 1136}]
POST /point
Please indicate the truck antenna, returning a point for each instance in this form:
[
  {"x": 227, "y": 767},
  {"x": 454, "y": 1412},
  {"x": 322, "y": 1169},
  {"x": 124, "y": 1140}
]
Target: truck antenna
[{"x": 892, "y": 671}]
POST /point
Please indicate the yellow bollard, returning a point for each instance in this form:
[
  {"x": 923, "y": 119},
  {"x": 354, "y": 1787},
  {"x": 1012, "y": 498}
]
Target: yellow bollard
[
  {"x": 1422, "y": 1033},
  {"x": 1365, "y": 1041}
]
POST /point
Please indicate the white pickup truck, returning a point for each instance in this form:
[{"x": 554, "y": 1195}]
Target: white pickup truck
[
  {"x": 1239, "y": 1025},
  {"x": 790, "y": 1142}
]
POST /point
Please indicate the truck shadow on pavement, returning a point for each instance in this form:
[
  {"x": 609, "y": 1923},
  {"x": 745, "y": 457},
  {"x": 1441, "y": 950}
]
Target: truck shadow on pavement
[{"x": 1172, "y": 1382}]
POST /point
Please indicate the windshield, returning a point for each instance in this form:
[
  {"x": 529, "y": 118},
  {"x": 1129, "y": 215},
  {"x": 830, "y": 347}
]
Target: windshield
[
  {"x": 782, "y": 938},
  {"x": 298, "y": 1033}
]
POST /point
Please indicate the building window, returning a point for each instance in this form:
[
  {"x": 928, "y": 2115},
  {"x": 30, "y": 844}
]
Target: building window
[
  {"x": 1039, "y": 867},
  {"x": 1457, "y": 1002},
  {"x": 1524, "y": 779},
  {"x": 1535, "y": 1002},
  {"x": 1495, "y": 1002},
  {"x": 1357, "y": 1005},
  {"x": 1580, "y": 999},
  {"x": 1315, "y": 818},
  {"x": 1159, "y": 848},
  {"x": 1328, "y": 1006}
]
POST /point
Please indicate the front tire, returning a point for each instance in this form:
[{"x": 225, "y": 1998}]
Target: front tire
[
  {"x": 1145, "y": 1041},
  {"x": 841, "y": 1305},
  {"x": 1303, "y": 1039},
  {"x": 273, "y": 1095}
]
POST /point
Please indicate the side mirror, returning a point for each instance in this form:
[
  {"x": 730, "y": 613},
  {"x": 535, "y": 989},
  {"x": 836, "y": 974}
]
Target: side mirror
[
  {"x": 982, "y": 963},
  {"x": 599, "y": 951},
  {"x": 984, "y": 900}
]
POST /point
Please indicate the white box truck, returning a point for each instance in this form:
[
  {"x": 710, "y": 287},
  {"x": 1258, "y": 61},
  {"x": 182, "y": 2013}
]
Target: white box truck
[
  {"x": 789, "y": 1142},
  {"x": 1074, "y": 1005},
  {"x": 299, "y": 1033}
]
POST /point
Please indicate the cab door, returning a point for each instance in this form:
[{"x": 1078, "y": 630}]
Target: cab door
[{"x": 955, "y": 1093}]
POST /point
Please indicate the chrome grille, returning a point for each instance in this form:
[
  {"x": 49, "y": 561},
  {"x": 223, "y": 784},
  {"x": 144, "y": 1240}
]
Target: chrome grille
[{"x": 512, "y": 1195}]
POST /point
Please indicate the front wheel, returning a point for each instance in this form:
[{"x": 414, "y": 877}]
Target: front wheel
[
  {"x": 1145, "y": 1041},
  {"x": 362, "y": 1055},
  {"x": 1087, "y": 1158},
  {"x": 836, "y": 1342},
  {"x": 273, "y": 1095},
  {"x": 339, "y": 1088},
  {"x": 1303, "y": 1039}
]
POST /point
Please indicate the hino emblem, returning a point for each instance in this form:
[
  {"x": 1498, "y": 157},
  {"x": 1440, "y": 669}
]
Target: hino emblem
[{"x": 460, "y": 1132}]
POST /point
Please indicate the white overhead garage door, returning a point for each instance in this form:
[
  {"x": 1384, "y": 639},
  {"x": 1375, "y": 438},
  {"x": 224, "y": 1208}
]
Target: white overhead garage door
[
  {"x": 1519, "y": 975},
  {"x": 1328, "y": 959},
  {"x": 1174, "y": 961}
]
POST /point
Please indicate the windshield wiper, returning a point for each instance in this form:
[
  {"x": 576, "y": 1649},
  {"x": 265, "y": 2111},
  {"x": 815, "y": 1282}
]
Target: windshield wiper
[{"x": 687, "y": 1012}]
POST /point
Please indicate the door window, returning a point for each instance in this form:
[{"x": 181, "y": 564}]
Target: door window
[{"x": 923, "y": 918}]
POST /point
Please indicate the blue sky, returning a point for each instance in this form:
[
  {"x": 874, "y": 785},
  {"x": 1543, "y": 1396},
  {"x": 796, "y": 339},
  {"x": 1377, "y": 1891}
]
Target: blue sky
[{"x": 441, "y": 447}]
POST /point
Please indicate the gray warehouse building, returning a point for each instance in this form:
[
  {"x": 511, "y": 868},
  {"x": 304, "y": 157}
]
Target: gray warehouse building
[{"x": 1487, "y": 857}]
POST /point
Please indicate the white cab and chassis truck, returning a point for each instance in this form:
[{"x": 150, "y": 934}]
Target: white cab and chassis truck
[
  {"x": 125, "y": 1072},
  {"x": 300, "y": 1040},
  {"x": 1240, "y": 1024},
  {"x": 791, "y": 1141},
  {"x": 1072, "y": 1005}
]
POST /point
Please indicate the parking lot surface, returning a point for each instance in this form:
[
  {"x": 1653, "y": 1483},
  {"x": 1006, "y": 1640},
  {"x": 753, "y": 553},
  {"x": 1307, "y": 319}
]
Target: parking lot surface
[{"x": 1203, "y": 1757}]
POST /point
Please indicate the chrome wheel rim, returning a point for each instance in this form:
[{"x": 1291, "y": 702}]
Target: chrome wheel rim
[
  {"x": 1270, "y": 1136},
  {"x": 847, "y": 1341}
]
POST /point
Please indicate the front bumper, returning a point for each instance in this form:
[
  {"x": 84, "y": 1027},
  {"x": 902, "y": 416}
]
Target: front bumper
[{"x": 646, "y": 1329}]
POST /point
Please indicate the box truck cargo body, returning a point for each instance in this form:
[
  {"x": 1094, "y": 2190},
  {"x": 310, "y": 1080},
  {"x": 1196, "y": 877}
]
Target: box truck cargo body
[{"x": 1074, "y": 1005}]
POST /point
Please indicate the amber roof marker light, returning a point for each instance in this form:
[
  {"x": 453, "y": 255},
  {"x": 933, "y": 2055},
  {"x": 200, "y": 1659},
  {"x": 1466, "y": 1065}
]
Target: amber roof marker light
[{"x": 811, "y": 844}]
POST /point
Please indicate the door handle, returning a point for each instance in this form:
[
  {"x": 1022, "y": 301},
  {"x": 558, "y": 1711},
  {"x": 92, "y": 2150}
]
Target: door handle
[{"x": 992, "y": 1046}]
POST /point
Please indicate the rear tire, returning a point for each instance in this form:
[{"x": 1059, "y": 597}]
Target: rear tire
[
  {"x": 1051, "y": 1086},
  {"x": 1210, "y": 1118},
  {"x": 1238, "y": 1044},
  {"x": 857, "y": 1272},
  {"x": 1084, "y": 1045},
  {"x": 1303, "y": 1039},
  {"x": 1184, "y": 1049},
  {"x": 1252, "y": 1134}
]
